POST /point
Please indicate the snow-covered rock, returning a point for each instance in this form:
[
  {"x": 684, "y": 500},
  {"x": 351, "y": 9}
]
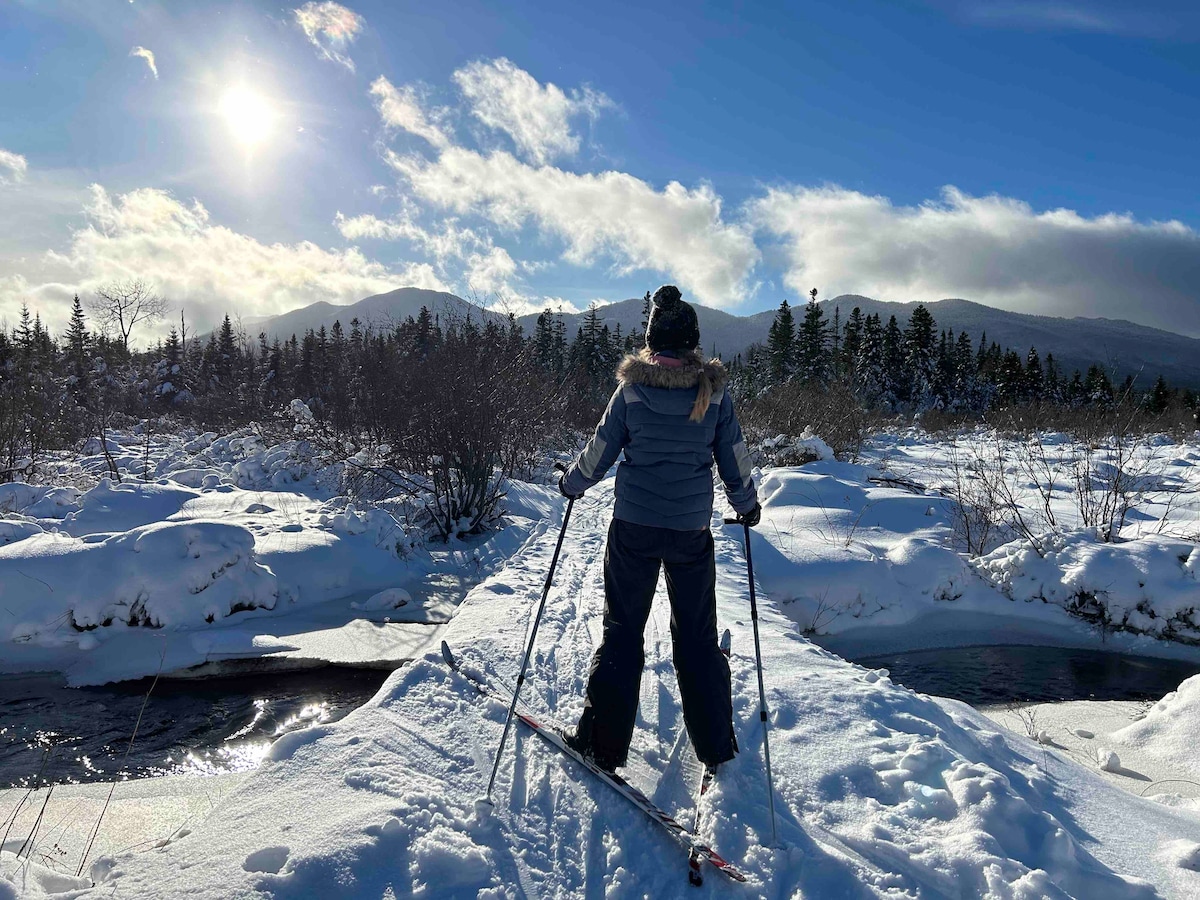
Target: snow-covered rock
[{"x": 167, "y": 573}]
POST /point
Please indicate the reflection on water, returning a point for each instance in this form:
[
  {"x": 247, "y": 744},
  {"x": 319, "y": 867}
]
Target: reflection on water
[
  {"x": 988, "y": 676},
  {"x": 52, "y": 733}
]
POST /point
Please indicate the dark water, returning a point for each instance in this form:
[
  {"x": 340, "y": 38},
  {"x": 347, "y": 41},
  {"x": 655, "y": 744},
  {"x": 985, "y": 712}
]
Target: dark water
[
  {"x": 189, "y": 725},
  {"x": 989, "y": 676}
]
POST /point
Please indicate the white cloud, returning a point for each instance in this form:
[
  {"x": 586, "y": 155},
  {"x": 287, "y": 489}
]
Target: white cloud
[
  {"x": 331, "y": 28},
  {"x": 13, "y": 167},
  {"x": 995, "y": 250},
  {"x": 207, "y": 268},
  {"x": 609, "y": 216},
  {"x": 148, "y": 56},
  {"x": 484, "y": 268},
  {"x": 537, "y": 117},
  {"x": 401, "y": 108}
]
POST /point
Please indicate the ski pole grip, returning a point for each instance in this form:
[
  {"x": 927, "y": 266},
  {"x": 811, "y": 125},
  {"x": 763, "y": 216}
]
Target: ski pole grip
[{"x": 729, "y": 521}]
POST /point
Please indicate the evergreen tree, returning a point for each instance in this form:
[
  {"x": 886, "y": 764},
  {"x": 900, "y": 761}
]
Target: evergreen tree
[
  {"x": 836, "y": 370},
  {"x": 1159, "y": 397},
  {"x": 224, "y": 363},
  {"x": 966, "y": 382},
  {"x": 543, "y": 341},
  {"x": 78, "y": 340},
  {"x": 895, "y": 372},
  {"x": 852, "y": 345},
  {"x": 920, "y": 357},
  {"x": 812, "y": 346},
  {"x": 1034, "y": 377},
  {"x": 868, "y": 367},
  {"x": 1010, "y": 383},
  {"x": 781, "y": 349},
  {"x": 1097, "y": 387},
  {"x": 1052, "y": 382}
]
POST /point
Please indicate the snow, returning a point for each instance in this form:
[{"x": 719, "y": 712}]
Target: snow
[
  {"x": 1148, "y": 586},
  {"x": 225, "y": 550},
  {"x": 881, "y": 792},
  {"x": 209, "y": 559},
  {"x": 1168, "y": 730},
  {"x": 867, "y": 554}
]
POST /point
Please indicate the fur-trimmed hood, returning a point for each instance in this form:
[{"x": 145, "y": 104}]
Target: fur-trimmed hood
[{"x": 708, "y": 376}]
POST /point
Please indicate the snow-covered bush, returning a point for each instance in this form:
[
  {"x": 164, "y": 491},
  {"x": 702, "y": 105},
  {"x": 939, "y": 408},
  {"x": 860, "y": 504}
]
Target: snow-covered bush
[
  {"x": 790, "y": 450},
  {"x": 1148, "y": 586}
]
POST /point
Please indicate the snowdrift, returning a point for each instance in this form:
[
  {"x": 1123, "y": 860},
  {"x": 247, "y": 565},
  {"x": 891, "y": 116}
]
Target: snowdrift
[
  {"x": 215, "y": 557},
  {"x": 881, "y": 792},
  {"x": 1169, "y": 729},
  {"x": 1147, "y": 586},
  {"x": 168, "y": 573}
]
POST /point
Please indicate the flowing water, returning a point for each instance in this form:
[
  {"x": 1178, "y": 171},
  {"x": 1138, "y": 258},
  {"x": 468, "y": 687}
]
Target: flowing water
[
  {"x": 994, "y": 675},
  {"x": 52, "y": 733}
]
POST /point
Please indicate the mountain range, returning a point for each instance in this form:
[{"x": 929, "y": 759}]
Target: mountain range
[{"x": 1121, "y": 347}]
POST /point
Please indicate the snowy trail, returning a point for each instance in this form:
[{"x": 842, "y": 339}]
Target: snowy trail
[{"x": 880, "y": 792}]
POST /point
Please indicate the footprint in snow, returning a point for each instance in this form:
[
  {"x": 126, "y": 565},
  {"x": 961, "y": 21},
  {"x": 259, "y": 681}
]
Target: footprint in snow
[{"x": 268, "y": 859}]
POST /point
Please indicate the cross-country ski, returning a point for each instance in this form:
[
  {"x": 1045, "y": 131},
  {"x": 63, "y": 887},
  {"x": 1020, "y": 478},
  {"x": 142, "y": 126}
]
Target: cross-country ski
[{"x": 552, "y": 733}]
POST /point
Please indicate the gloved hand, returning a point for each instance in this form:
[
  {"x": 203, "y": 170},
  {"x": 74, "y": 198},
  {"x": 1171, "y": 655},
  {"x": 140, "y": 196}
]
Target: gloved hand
[
  {"x": 751, "y": 518},
  {"x": 562, "y": 489}
]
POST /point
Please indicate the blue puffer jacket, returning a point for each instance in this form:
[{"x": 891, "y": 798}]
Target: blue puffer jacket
[{"x": 671, "y": 422}]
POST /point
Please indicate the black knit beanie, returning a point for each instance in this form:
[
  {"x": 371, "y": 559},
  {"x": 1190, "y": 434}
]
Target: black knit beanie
[{"x": 672, "y": 324}]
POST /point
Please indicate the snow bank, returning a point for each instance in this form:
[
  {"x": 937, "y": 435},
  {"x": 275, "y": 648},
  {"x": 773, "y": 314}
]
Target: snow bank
[
  {"x": 168, "y": 573},
  {"x": 1146, "y": 586},
  {"x": 1170, "y": 728},
  {"x": 881, "y": 792},
  {"x": 208, "y": 531},
  {"x": 838, "y": 550}
]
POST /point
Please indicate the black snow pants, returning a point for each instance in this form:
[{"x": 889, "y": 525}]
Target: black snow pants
[{"x": 632, "y": 559}]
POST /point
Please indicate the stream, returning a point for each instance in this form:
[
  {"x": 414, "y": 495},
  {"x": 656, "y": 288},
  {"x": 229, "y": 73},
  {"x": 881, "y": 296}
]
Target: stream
[{"x": 995, "y": 675}]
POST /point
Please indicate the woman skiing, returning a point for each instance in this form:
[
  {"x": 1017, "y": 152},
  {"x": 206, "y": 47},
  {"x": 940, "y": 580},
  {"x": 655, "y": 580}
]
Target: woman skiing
[{"x": 672, "y": 417}]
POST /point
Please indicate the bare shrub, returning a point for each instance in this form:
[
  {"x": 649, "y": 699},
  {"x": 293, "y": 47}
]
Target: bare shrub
[
  {"x": 474, "y": 408},
  {"x": 973, "y": 492},
  {"x": 833, "y": 412}
]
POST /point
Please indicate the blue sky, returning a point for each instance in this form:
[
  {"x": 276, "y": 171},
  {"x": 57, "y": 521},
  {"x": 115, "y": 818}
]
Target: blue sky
[{"x": 254, "y": 157}]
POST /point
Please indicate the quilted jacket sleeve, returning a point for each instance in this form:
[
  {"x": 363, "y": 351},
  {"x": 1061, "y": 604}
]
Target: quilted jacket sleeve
[
  {"x": 733, "y": 459},
  {"x": 612, "y": 434}
]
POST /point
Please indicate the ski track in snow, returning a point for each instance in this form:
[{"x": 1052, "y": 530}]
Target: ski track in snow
[{"x": 880, "y": 792}]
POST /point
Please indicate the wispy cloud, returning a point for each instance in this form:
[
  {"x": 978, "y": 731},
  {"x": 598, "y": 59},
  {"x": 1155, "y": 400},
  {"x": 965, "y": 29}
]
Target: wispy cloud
[
  {"x": 460, "y": 254},
  {"x": 996, "y": 250},
  {"x": 608, "y": 217},
  {"x": 400, "y": 107},
  {"x": 536, "y": 116},
  {"x": 13, "y": 167},
  {"x": 1161, "y": 19},
  {"x": 148, "y": 56},
  {"x": 331, "y": 28}
]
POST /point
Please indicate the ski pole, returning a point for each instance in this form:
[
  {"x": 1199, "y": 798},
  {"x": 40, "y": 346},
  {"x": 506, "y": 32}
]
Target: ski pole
[
  {"x": 485, "y": 803},
  {"x": 762, "y": 694}
]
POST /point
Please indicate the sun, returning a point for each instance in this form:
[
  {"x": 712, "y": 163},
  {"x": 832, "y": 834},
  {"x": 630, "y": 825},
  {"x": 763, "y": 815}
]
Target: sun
[{"x": 248, "y": 115}]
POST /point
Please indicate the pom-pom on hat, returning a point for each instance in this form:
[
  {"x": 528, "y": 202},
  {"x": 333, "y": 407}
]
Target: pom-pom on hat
[{"x": 673, "y": 324}]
